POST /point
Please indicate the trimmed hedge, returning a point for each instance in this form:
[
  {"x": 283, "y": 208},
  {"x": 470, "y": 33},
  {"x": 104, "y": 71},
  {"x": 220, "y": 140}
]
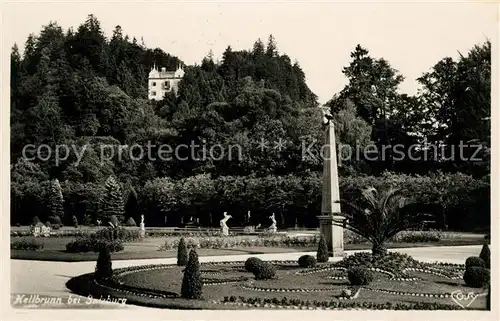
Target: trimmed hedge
[
  {"x": 252, "y": 263},
  {"x": 86, "y": 244},
  {"x": 119, "y": 233},
  {"x": 26, "y": 245},
  {"x": 477, "y": 277},
  {"x": 307, "y": 261},
  {"x": 359, "y": 275},
  {"x": 474, "y": 261}
]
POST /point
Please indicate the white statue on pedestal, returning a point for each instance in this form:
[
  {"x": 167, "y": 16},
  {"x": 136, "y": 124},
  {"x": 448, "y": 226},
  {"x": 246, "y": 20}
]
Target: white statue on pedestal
[
  {"x": 142, "y": 230},
  {"x": 273, "y": 227},
  {"x": 223, "y": 225}
]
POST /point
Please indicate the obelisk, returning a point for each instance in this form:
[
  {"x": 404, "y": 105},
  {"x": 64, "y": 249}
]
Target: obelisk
[{"x": 330, "y": 220}]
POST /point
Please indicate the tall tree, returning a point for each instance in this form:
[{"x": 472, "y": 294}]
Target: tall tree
[
  {"x": 112, "y": 203},
  {"x": 373, "y": 85},
  {"x": 56, "y": 200}
]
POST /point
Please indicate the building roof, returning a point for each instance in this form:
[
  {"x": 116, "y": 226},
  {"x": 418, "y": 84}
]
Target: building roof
[{"x": 163, "y": 73}]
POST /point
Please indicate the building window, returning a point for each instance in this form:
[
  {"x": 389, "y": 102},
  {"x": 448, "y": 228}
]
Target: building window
[
  {"x": 154, "y": 83},
  {"x": 153, "y": 93},
  {"x": 166, "y": 85}
]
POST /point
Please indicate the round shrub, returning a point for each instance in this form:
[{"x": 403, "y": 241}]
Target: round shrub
[
  {"x": 48, "y": 224},
  {"x": 359, "y": 275},
  {"x": 264, "y": 271},
  {"x": 307, "y": 261},
  {"x": 322, "y": 254},
  {"x": 486, "y": 255},
  {"x": 477, "y": 277},
  {"x": 56, "y": 226},
  {"x": 35, "y": 220},
  {"x": 54, "y": 219},
  {"x": 474, "y": 261},
  {"x": 191, "y": 282},
  {"x": 131, "y": 222},
  {"x": 182, "y": 253},
  {"x": 252, "y": 263}
]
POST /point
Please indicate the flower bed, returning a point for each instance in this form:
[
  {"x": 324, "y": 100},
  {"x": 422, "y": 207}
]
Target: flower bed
[
  {"x": 216, "y": 242},
  {"x": 286, "y": 290},
  {"x": 259, "y": 302}
]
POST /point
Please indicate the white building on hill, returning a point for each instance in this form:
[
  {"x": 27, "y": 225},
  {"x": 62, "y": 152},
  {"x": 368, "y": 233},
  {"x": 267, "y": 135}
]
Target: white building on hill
[{"x": 162, "y": 82}]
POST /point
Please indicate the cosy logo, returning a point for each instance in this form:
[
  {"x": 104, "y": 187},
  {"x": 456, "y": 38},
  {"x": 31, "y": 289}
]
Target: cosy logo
[{"x": 463, "y": 299}]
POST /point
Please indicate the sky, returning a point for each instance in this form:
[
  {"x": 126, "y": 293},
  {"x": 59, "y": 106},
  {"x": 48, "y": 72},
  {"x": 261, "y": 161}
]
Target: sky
[{"x": 319, "y": 35}]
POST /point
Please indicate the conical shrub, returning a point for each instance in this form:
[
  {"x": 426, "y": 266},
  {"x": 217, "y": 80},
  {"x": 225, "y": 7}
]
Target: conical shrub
[
  {"x": 182, "y": 253},
  {"x": 103, "y": 268},
  {"x": 322, "y": 254},
  {"x": 485, "y": 255},
  {"x": 192, "y": 284}
]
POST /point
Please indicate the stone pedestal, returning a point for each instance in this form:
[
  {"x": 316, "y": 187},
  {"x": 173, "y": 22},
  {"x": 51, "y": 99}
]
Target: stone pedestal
[
  {"x": 225, "y": 231},
  {"x": 333, "y": 233},
  {"x": 142, "y": 230},
  {"x": 330, "y": 207}
]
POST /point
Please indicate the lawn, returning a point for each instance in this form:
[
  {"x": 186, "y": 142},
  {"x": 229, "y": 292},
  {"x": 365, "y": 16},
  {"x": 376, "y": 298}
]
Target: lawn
[
  {"x": 291, "y": 287},
  {"x": 54, "y": 248}
]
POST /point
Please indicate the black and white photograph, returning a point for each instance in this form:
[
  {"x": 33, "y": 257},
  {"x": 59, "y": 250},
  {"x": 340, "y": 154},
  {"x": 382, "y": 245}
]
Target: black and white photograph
[{"x": 250, "y": 157}]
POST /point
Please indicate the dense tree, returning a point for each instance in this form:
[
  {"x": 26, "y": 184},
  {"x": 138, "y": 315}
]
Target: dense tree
[
  {"x": 56, "y": 200},
  {"x": 112, "y": 203},
  {"x": 88, "y": 92}
]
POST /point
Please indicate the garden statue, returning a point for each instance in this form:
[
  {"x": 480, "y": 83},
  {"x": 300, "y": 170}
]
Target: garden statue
[
  {"x": 45, "y": 231},
  {"x": 273, "y": 227},
  {"x": 99, "y": 222},
  {"x": 223, "y": 225},
  {"x": 142, "y": 231}
]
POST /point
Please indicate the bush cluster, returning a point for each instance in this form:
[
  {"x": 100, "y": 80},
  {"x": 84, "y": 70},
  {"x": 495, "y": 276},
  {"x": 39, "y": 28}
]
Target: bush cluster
[
  {"x": 307, "y": 261},
  {"x": 119, "y": 233},
  {"x": 359, "y": 275},
  {"x": 215, "y": 242},
  {"x": 26, "y": 245},
  {"x": 87, "y": 244},
  {"x": 417, "y": 237}
]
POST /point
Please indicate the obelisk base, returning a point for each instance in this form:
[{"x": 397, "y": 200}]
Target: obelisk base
[{"x": 333, "y": 233}]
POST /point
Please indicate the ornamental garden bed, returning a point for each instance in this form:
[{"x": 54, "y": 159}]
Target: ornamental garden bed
[{"x": 228, "y": 285}]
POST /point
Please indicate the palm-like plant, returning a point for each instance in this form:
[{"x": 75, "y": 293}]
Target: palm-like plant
[{"x": 379, "y": 217}]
